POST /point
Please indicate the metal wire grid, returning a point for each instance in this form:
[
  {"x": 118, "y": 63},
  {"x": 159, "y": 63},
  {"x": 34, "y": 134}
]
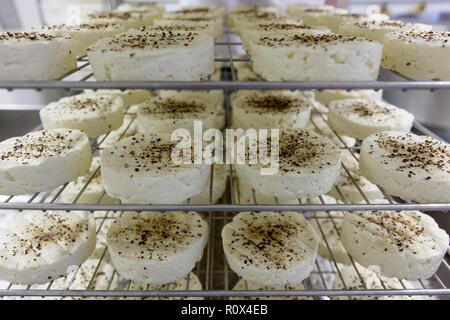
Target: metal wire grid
[{"x": 213, "y": 271}]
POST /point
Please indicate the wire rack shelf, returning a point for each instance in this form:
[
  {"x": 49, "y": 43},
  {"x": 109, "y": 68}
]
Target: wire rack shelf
[
  {"x": 214, "y": 274},
  {"x": 82, "y": 78}
]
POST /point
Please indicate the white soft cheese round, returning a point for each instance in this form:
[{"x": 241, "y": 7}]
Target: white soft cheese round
[
  {"x": 418, "y": 54},
  {"x": 93, "y": 114},
  {"x": 406, "y": 244},
  {"x": 143, "y": 55},
  {"x": 186, "y": 25},
  {"x": 307, "y": 57},
  {"x": 140, "y": 169},
  {"x": 377, "y": 30},
  {"x": 157, "y": 248},
  {"x": 26, "y": 56},
  {"x": 286, "y": 26},
  {"x": 408, "y": 166},
  {"x": 359, "y": 118},
  {"x": 270, "y": 248},
  {"x": 165, "y": 115},
  {"x": 37, "y": 246},
  {"x": 332, "y": 19},
  {"x": 212, "y": 97},
  {"x": 43, "y": 160},
  {"x": 83, "y": 34},
  {"x": 270, "y": 109},
  {"x": 309, "y": 165}
]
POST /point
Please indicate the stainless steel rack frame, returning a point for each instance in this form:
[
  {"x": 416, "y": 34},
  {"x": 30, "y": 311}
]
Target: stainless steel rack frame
[{"x": 213, "y": 271}]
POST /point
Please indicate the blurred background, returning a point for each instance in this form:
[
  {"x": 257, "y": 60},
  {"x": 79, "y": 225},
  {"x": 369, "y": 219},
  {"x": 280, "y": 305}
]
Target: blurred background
[{"x": 19, "y": 14}]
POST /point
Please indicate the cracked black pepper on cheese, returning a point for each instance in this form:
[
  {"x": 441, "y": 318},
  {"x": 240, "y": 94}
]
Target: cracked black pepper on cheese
[
  {"x": 315, "y": 57},
  {"x": 377, "y": 30},
  {"x": 359, "y": 118},
  {"x": 43, "y": 160},
  {"x": 156, "y": 248},
  {"x": 270, "y": 109},
  {"x": 37, "y": 246},
  {"x": 83, "y": 34},
  {"x": 140, "y": 169},
  {"x": 423, "y": 55},
  {"x": 307, "y": 164},
  {"x": 148, "y": 54},
  {"x": 408, "y": 166},
  {"x": 282, "y": 26},
  {"x": 406, "y": 244},
  {"x": 164, "y": 115},
  {"x": 213, "y": 20},
  {"x": 94, "y": 114},
  {"x": 270, "y": 248},
  {"x": 203, "y": 25},
  {"x": 25, "y": 55}
]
